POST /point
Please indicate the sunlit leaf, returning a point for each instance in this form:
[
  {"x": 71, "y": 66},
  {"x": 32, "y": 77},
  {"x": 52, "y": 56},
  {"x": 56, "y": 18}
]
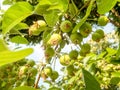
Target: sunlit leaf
[
  {"x": 21, "y": 26},
  {"x": 51, "y": 18},
  {"x": 90, "y": 82},
  {"x": 19, "y": 40},
  {"x": 25, "y": 88},
  {"x": 3, "y": 46},
  {"x": 84, "y": 18},
  {"x": 105, "y": 5},
  {"x": 15, "y": 14},
  {"x": 13, "y": 56}
]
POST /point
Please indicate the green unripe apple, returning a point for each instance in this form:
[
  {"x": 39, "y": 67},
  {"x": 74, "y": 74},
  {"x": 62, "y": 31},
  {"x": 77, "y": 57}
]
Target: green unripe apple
[
  {"x": 76, "y": 38},
  {"x": 48, "y": 70},
  {"x": 103, "y": 20},
  {"x": 85, "y": 29},
  {"x": 66, "y": 26},
  {"x": 54, "y": 75},
  {"x": 73, "y": 54},
  {"x": 31, "y": 63},
  {"x": 86, "y": 48},
  {"x": 54, "y": 39},
  {"x": 96, "y": 37},
  {"x": 65, "y": 60},
  {"x": 101, "y": 32}
]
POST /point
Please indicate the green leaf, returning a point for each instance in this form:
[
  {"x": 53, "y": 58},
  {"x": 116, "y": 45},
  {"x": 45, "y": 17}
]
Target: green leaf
[
  {"x": 13, "y": 56},
  {"x": 51, "y": 18},
  {"x": 24, "y": 88},
  {"x": 116, "y": 74},
  {"x": 15, "y": 14},
  {"x": 115, "y": 80},
  {"x": 3, "y": 46},
  {"x": 110, "y": 52},
  {"x": 84, "y": 18},
  {"x": 61, "y": 5},
  {"x": 90, "y": 82},
  {"x": 19, "y": 40},
  {"x": 105, "y": 5},
  {"x": 21, "y": 26}
]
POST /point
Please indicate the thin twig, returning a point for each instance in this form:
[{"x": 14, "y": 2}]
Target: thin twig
[
  {"x": 117, "y": 24},
  {"x": 115, "y": 13}
]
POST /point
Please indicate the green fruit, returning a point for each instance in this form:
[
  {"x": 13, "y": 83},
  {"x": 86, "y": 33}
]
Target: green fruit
[
  {"x": 48, "y": 71},
  {"x": 66, "y": 26},
  {"x": 31, "y": 63},
  {"x": 65, "y": 60},
  {"x": 49, "y": 52},
  {"x": 73, "y": 54},
  {"x": 54, "y": 39},
  {"x": 54, "y": 75},
  {"x": 33, "y": 71},
  {"x": 82, "y": 53},
  {"x": 96, "y": 37},
  {"x": 86, "y": 48},
  {"x": 103, "y": 20},
  {"x": 33, "y": 30},
  {"x": 70, "y": 70},
  {"x": 101, "y": 32},
  {"x": 85, "y": 29},
  {"x": 76, "y": 38},
  {"x": 41, "y": 23},
  {"x": 23, "y": 70}
]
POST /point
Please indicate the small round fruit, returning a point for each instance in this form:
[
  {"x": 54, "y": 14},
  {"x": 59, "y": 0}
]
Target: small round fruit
[
  {"x": 82, "y": 53},
  {"x": 65, "y": 60},
  {"x": 33, "y": 30},
  {"x": 54, "y": 75},
  {"x": 73, "y": 54},
  {"x": 96, "y": 37},
  {"x": 66, "y": 26},
  {"x": 101, "y": 32},
  {"x": 103, "y": 20},
  {"x": 86, "y": 48},
  {"x": 49, "y": 52},
  {"x": 85, "y": 29},
  {"x": 23, "y": 70},
  {"x": 70, "y": 70},
  {"x": 33, "y": 71},
  {"x": 76, "y": 38},
  {"x": 31, "y": 63},
  {"x": 41, "y": 23},
  {"x": 48, "y": 71},
  {"x": 54, "y": 39}
]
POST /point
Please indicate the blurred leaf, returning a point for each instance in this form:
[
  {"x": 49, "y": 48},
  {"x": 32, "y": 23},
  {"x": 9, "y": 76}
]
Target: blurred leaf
[
  {"x": 105, "y": 5},
  {"x": 15, "y": 14},
  {"x": 73, "y": 8},
  {"x": 19, "y": 40},
  {"x": 13, "y": 56},
  {"x": 114, "y": 80},
  {"x": 51, "y": 18},
  {"x": 90, "y": 82},
  {"x": 25, "y": 88},
  {"x": 116, "y": 74},
  {"x": 3, "y": 46},
  {"x": 84, "y": 18},
  {"x": 110, "y": 52},
  {"x": 7, "y": 2}
]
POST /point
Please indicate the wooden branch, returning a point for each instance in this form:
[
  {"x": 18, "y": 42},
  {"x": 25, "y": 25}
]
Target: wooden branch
[{"x": 115, "y": 13}]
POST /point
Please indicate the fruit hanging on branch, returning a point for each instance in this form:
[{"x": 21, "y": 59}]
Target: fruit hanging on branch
[
  {"x": 103, "y": 20},
  {"x": 66, "y": 26},
  {"x": 55, "y": 39},
  {"x": 85, "y": 29}
]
